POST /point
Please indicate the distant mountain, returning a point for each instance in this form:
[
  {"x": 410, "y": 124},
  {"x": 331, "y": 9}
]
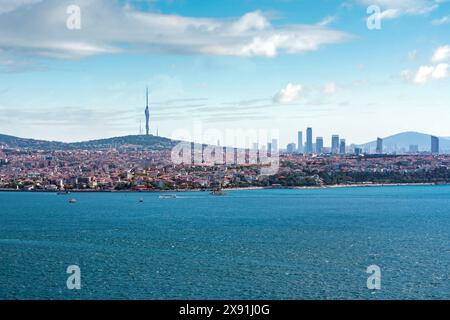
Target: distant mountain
[
  {"x": 150, "y": 142},
  {"x": 402, "y": 141}
]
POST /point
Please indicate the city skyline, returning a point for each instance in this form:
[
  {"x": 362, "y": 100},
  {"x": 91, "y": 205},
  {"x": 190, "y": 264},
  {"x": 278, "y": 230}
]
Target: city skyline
[
  {"x": 339, "y": 145},
  {"x": 75, "y": 85}
]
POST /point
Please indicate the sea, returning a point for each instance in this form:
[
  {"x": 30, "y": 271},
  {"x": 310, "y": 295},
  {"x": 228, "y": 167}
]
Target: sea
[{"x": 390, "y": 242}]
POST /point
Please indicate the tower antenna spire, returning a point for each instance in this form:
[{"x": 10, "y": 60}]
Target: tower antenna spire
[{"x": 147, "y": 114}]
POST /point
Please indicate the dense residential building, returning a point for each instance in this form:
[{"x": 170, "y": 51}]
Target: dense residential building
[{"x": 138, "y": 169}]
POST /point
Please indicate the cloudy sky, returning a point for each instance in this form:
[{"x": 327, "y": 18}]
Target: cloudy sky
[{"x": 279, "y": 65}]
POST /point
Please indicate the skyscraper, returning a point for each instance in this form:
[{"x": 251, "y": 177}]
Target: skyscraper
[
  {"x": 434, "y": 145},
  {"x": 334, "y": 143},
  {"x": 300, "y": 141},
  {"x": 269, "y": 147},
  {"x": 319, "y": 145},
  {"x": 342, "y": 146},
  {"x": 274, "y": 145},
  {"x": 147, "y": 116},
  {"x": 379, "y": 145},
  {"x": 309, "y": 143},
  {"x": 290, "y": 148},
  {"x": 358, "y": 151}
]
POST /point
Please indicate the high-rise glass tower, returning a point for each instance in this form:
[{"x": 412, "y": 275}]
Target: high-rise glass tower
[
  {"x": 379, "y": 145},
  {"x": 334, "y": 143},
  {"x": 434, "y": 145},
  {"x": 319, "y": 145},
  {"x": 300, "y": 141},
  {"x": 290, "y": 148},
  {"x": 342, "y": 146},
  {"x": 274, "y": 145},
  {"x": 147, "y": 116},
  {"x": 309, "y": 142}
]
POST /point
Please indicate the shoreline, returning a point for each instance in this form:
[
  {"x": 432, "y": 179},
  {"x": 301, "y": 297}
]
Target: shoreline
[{"x": 335, "y": 186}]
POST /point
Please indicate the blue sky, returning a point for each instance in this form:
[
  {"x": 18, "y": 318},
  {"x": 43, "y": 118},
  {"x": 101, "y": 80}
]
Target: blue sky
[{"x": 275, "y": 65}]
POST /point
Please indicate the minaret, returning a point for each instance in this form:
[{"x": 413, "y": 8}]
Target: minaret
[{"x": 147, "y": 116}]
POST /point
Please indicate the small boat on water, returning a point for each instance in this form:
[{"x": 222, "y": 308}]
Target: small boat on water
[
  {"x": 141, "y": 200},
  {"x": 61, "y": 193},
  {"x": 217, "y": 192},
  {"x": 168, "y": 196},
  {"x": 72, "y": 201}
]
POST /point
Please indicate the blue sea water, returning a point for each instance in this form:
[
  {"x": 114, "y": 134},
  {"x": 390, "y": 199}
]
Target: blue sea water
[{"x": 249, "y": 244}]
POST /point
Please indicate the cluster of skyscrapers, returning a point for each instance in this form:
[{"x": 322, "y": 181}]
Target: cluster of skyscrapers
[{"x": 339, "y": 145}]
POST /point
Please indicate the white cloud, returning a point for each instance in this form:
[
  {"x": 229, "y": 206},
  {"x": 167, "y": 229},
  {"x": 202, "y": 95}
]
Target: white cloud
[
  {"x": 423, "y": 74},
  {"x": 441, "y": 54},
  {"x": 389, "y": 14},
  {"x": 250, "y": 21},
  {"x": 291, "y": 93},
  {"x": 326, "y": 21},
  {"x": 108, "y": 27},
  {"x": 395, "y": 8},
  {"x": 440, "y": 71},
  {"x": 426, "y": 73},
  {"x": 330, "y": 88},
  {"x": 441, "y": 21}
]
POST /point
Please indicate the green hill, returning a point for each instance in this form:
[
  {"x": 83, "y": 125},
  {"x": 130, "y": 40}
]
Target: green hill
[{"x": 147, "y": 142}]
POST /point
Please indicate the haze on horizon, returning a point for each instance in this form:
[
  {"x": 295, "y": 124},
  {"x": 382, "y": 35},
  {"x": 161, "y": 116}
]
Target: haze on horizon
[{"x": 273, "y": 65}]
